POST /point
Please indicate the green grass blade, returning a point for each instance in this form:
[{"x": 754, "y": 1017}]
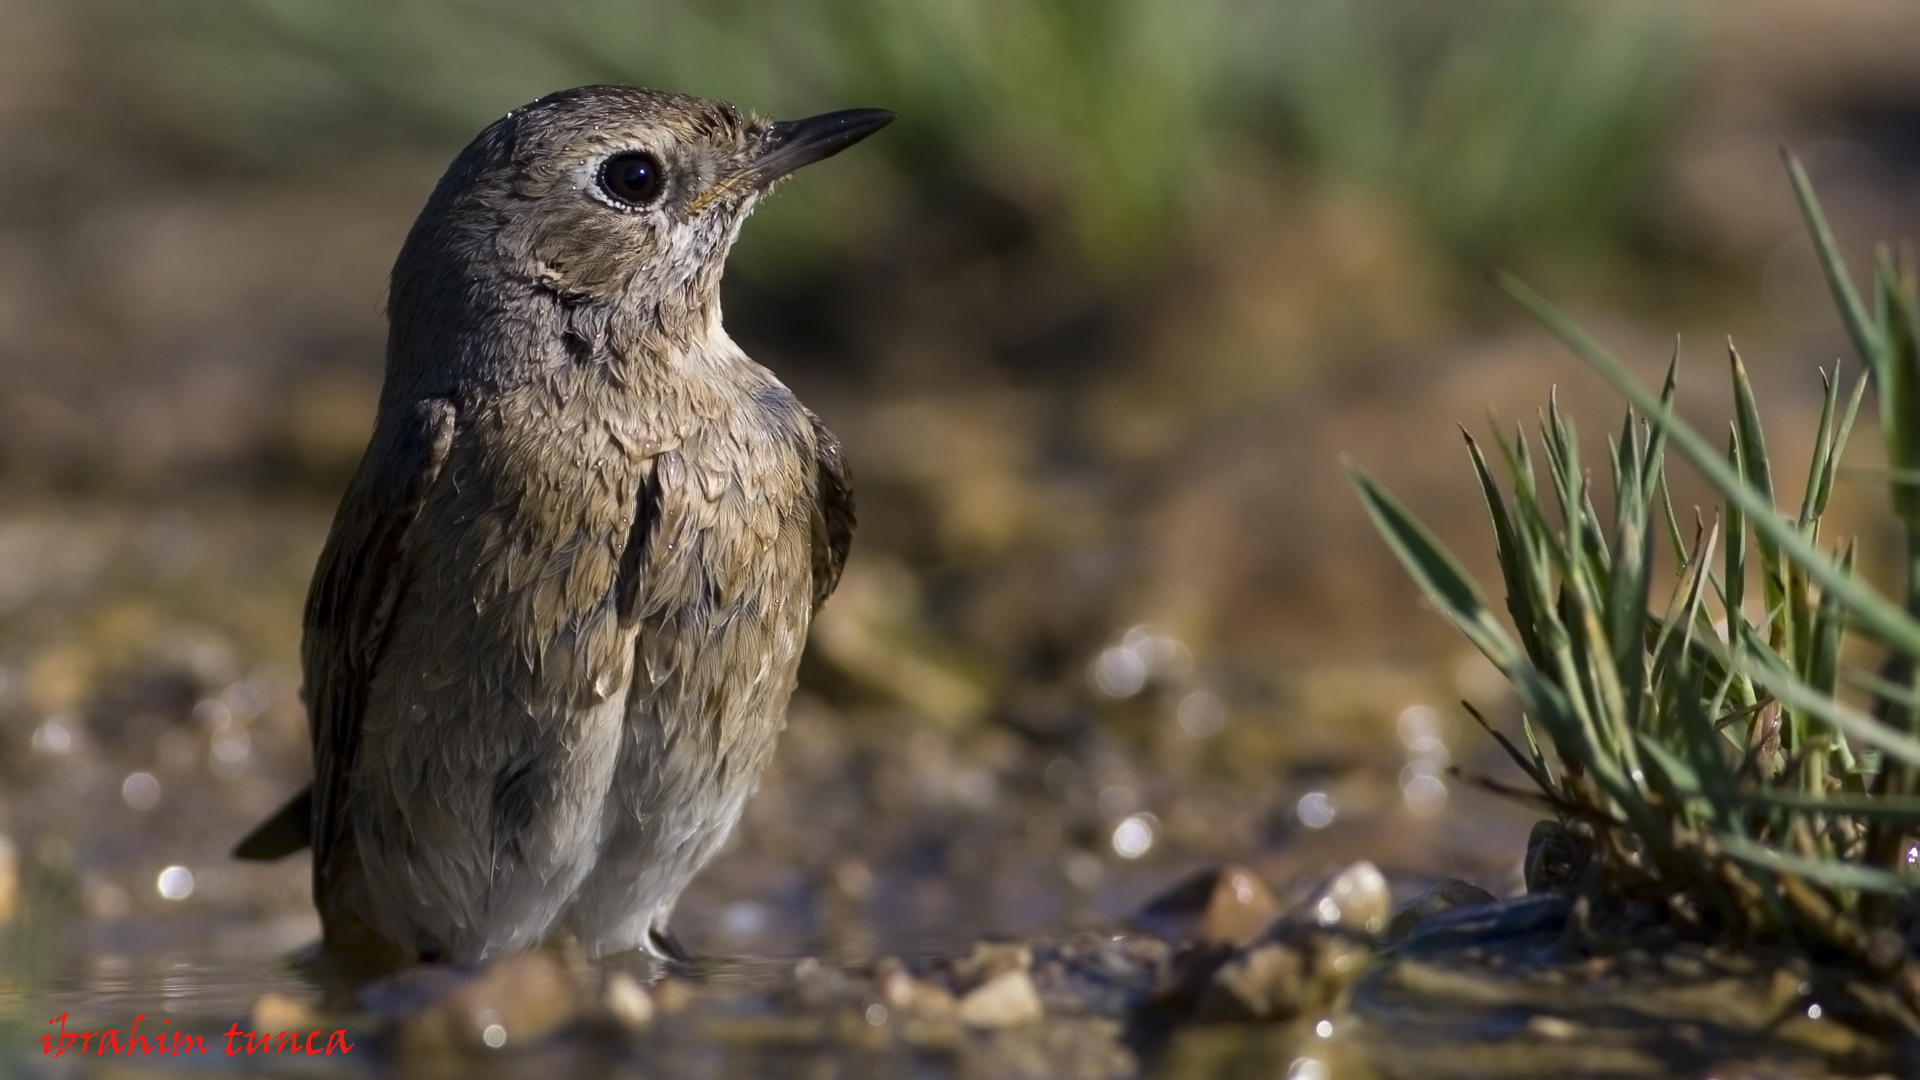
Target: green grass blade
[
  {"x": 1899, "y": 378},
  {"x": 1770, "y": 672},
  {"x": 1676, "y": 541},
  {"x": 1746, "y": 421},
  {"x": 1628, "y": 585},
  {"x": 1432, "y": 566},
  {"x": 1685, "y": 779},
  {"x": 1826, "y": 455},
  {"x": 1822, "y": 667},
  {"x": 1831, "y": 873},
  {"x": 1821, "y": 662},
  {"x": 1897, "y": 693},
  {"x": 1733, "y": 576},
  {"x": 1838, "y": 446},
  {"x": 1512, "y": 558},
  {"x": 1674, "y": 638},
  {"x": 1758, "y": 473},
  {"x": 1891, "y": 808},
  {"x": 1866, "y": 335},
  {"x": 1654, "y": 458},
  {"x": 1534, "y": 752}
]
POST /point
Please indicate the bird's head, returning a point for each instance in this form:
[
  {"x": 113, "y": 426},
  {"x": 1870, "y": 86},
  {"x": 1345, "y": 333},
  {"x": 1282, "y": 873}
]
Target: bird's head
[{"x": 610, "y": 197}]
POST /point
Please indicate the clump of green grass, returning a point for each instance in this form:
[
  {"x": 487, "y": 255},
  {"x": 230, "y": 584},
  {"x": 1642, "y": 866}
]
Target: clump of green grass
[{"x": 1704, "y": 741}]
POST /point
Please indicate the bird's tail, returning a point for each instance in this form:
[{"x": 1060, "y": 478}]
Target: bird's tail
[{"x": 287, "y": 831}]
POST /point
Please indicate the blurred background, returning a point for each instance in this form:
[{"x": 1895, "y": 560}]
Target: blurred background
[{"x": 1096, "y": 320}]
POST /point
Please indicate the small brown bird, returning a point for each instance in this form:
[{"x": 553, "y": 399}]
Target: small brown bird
[{"x": 550, "y": 642}]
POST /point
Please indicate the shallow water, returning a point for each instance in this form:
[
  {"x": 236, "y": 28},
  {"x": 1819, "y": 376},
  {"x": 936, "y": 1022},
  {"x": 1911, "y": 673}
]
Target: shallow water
[
  {"x": 148, "y": 716},
  {"x": 203, "y": 973}
]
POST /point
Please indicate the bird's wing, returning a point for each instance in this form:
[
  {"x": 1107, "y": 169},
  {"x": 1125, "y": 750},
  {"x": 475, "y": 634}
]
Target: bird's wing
[
  {"x": 833, "y": 517},
  {"x": 350, "y": 607}
]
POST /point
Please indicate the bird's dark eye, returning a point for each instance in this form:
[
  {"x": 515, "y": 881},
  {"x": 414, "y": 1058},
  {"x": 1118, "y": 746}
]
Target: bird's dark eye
[{"x": 632, "y": 178}]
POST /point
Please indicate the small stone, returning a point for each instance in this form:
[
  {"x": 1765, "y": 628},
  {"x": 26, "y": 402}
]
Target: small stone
[
  {"x": 1302, "y": 970},
  {"x": 627, "y": 1002},
  {"x": 989, "y": 960},
  {"x": 899, "y": 991},
  {"x": 1556, "y": 856},
  {"x": 892, "y": 983},
  {"x": 276, "y": 1012},
  {"x": 930, "y": 1001},
  {"x": 1228, "y": 904},
  {"x": 511, "y": 1001},
  {"x": 1552, "y": 1027},
  {"x": 1445, "y": 895},
  {"x": 1264, "y": 983},
  {"x": 671, "y": 995},
  {"x": 1005, "y": 1000},
  {"x": 1356, "y": 900},
  {"x": 852, "y": 878}
]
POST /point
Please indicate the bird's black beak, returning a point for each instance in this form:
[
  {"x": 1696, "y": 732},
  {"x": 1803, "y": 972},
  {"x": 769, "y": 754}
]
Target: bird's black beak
[{"x": 791, "y": 144}]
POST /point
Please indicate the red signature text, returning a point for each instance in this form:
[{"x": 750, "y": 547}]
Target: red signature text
[{"x": 172, "y": 1042}]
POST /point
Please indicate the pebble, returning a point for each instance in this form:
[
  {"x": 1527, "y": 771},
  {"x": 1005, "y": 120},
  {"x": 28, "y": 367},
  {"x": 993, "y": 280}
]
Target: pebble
[
  {"x": 1300, "y": 971},
  {"x": 1447, "y": 894},
  {"x": 1556, "y": 856},
  {"x": 1228, "y": 904},
  {"x": 1005, "y": 1000},
  {"x": 627, "y": 1002},
  {"x": 277, "y": 1012},
  {"x": 1356, "y": 900},
  {"x": 511, "y": 1001},
  {"x": 989, "y": 960}
]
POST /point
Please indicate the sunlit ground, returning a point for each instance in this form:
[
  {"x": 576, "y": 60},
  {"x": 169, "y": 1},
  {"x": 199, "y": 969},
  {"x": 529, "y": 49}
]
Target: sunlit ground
[{"x": 1113, "y": 613}]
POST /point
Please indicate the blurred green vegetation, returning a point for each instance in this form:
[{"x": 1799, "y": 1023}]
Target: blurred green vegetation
[{"x": 1107, "y": 122}]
